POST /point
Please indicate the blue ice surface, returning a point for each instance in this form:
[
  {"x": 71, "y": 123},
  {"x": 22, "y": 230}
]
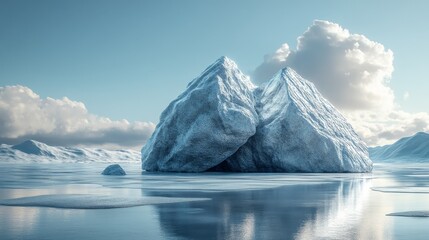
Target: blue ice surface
[
  {"x": 114, "y": 169},
  {"x": 410, "y": 214}
]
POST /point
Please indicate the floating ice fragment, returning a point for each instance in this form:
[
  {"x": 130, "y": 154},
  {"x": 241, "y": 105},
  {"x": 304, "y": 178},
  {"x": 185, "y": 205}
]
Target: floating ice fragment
[
  {"x": 410, "y": 214},
  {"x": 89, "y": 201},
  {"x": 401, "y": 189},
  {"x": 114, "y": 169}
]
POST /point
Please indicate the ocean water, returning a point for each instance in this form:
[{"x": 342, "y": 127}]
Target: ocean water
[{"x": 74, "y": 201}]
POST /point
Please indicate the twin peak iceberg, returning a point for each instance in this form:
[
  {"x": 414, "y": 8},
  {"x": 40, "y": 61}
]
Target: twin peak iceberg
[{"x": 222, "y": 122}]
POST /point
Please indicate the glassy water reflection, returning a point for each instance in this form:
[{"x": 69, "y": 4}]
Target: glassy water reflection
[
  {"x": 253, "y": 206},
  {"x": 333, "y": 211}
]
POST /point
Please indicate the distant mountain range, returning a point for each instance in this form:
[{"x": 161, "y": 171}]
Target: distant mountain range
[
  {"x": 33, "y": 151},
  {"x": 414, "y": 148}
]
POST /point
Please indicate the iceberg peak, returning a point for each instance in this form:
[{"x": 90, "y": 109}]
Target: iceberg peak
[
  {"x": 298, "y": 131},
  {"x": 226, "y": 62},
  {"x": 226, "y": 71},
  {"x": 206, "y": 124},
  {"x": 222, "y": 64},
  {"x": 222, "y": 122}
]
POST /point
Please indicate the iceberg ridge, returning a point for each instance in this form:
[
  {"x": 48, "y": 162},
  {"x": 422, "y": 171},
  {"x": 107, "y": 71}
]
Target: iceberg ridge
[{"x": 222, "y": 122}]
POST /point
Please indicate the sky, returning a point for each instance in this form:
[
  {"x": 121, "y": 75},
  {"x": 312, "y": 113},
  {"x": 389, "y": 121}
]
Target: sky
[{"x": 100, "y": 72}]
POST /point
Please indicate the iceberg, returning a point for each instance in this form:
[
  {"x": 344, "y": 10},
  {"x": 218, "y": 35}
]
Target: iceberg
[
  {"x": 206, "y": 124},
  {"x": 222, "y": 122},
  {"x": 114, "y": 169},
  {"x": 298, "y": 131}
]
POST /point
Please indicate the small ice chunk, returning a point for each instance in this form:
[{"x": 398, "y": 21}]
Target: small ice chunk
[
  {"x": 89, "y": 201},
  {"x": 410, "y": 214},
  {"x": 114, "y": 169},
  {"x": 402, "y": 189}
]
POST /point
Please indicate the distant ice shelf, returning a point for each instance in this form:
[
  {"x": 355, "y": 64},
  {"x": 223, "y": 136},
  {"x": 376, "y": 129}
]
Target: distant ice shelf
[
  {"x": 34, "y": 151},
  {"x": 408, "y": 149}
]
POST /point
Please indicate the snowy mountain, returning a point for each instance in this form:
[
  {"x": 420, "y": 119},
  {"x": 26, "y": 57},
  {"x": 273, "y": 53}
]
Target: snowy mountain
[
  {"x": 223, "y": 123},
  {"x": 414, "y": 148},
  {"x": 299, "y": 131},
  {"x": 33, "y": 151},
  {"x": 205, "y": 124}
]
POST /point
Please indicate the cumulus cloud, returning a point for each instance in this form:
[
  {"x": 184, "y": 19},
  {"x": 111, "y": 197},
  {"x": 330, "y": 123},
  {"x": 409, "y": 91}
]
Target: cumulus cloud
[
  {"x": 353, "y": 72},
  {"x": 25, "y": 115},
  {"x": 380, "y": 128},
  {"x": 348, "y": 69}
]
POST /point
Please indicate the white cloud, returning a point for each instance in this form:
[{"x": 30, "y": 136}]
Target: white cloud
[
  {"x": 348, "y": 69},
  {"x": 353, "y": 72},
  {"x": 25, "y": 115},
  {"x": 379, "y": 128},
  {"x": 272, "y": 63}
]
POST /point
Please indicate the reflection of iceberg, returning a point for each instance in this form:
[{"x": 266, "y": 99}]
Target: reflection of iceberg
[
  {"x": 290, "y": 212},
  {"x": 22, "y": 222},
  {"x": 341, "y": 220}
]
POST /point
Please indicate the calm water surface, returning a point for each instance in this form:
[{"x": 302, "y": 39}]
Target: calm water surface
[{"x": 238, "y": 206}]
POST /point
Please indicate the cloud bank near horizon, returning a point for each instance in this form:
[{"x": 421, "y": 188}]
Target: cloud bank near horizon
[
  {"x": 353, "y": 73},
  {"x": 350, "y": 70},
  {"x": 25, "y": 115}
]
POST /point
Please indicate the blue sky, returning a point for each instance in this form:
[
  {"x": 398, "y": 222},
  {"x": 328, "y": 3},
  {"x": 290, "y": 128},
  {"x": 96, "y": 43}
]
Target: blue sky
[{"x": 129, "y": 59}]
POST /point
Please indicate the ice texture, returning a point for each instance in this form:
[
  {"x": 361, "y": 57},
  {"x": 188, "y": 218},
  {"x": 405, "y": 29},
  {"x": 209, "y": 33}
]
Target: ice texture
[
  {"x": 91, "y": 201},
  {"x": 410, "y": 214},
  {"x": 414, "y": 148},
  {"x": 114, "y": 169},
  {"x": 402, "y": 189},
  {"x": 298, "y": 131},
  {"x": 35, "y": 148},
  {"x": 34, "y": 151},
  {"x": 205, "y": 124},
  {"x": 223, "y": 123}
]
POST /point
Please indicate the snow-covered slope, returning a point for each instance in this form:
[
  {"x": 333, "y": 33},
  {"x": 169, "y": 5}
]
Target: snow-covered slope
[
  {"x": 414, "y": 148},
  {"x": 299, "y": 131},
  {"x": 36, "y": 148},
  {"x": 33, "y": 151},
  {"x": 205, "y": 124}
]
